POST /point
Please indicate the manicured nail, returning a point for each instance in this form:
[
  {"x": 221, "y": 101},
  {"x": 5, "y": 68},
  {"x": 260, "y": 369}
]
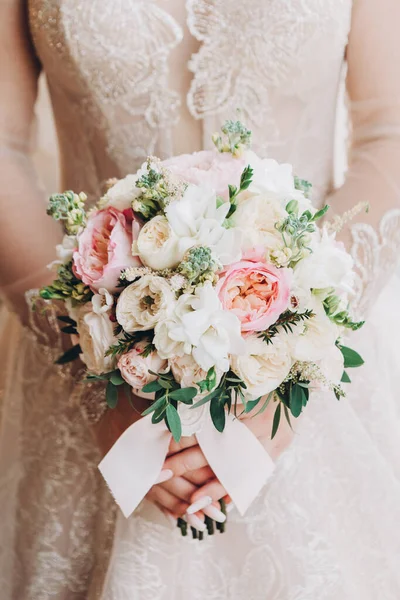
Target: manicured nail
[
  {"x": 195, "y": 522},
  {"x": 199, "y": 505},
  {"x": 230, "y": 507},
  {"x": 214, "y": 513},
  {"x": 164, "y": 476}
]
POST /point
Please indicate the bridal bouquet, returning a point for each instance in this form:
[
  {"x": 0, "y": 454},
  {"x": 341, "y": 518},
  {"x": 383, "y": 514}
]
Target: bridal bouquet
[{"x": 205, "y": 283}]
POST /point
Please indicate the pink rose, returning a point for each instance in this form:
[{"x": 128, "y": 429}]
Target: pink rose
[
  {"x": 209, "y": 168},
  {"x": 255, "y": 291},
  {"x": 135, "y": 368},
  {"x": 105, "y": 248}
]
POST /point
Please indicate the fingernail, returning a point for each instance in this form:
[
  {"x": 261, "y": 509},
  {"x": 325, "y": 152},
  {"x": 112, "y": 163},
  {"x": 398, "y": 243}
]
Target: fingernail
[
  {"x": 230, "y": 507},
  {"x": 164, "y": 476},
  {"x": 199, "y": 505},
  {"x": 214, "y": 513},
  {"x": 195, "y": 522}
]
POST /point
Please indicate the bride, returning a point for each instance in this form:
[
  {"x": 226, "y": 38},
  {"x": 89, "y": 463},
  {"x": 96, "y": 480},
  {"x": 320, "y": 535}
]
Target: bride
[{"x": 130, "y": 78}]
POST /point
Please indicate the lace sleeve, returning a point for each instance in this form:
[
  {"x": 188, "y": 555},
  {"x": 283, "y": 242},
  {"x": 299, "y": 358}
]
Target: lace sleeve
[
  {"x": 27, "y": 235},
  {"x": 373, "y": 85}
]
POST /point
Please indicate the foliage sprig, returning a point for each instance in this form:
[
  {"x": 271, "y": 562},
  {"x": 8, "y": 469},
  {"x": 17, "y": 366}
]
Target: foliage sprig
[{"x": 286, "y": 321}]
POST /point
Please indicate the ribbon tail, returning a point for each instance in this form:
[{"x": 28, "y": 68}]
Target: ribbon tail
[
  {"x": 238, "y": 459},
  {"x": 134, "y": 463}
]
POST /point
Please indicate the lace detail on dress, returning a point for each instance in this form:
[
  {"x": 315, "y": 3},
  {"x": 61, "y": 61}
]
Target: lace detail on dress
[
  {"x": 376, "y": 254},
  {"x": 124, "y": 105}
]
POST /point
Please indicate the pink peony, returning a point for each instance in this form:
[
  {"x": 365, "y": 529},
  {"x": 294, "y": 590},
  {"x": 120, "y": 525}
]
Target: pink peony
[
  {"x": 209, "y": 168},
  {"x": 105, "y": 248},
  {"x": 255, "y": 291},
  {"x": 135, "y": 368}
]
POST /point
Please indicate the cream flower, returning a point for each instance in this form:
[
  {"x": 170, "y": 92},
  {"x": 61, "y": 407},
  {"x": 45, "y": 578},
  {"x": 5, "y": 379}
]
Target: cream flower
[
  {"x": 187, "y": 372},
  {"x": 318, "y": 337},
  {"x": 96, "y": 332},
  {"x": 157, "y": 245},
  {"x": 263, "y": 366},
  {"x": 121, "y": 195},
  {"x": 256, "y": 217},
  {"x": 135, "y": 368},
  {"x": 144, "y": 303},
  {"x": 197, "y": 221},
  {"x": 200, "y": 326}
]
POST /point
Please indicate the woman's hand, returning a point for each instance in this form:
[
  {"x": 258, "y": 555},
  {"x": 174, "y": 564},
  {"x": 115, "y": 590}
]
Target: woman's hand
[{"x": 193, "y": 486}]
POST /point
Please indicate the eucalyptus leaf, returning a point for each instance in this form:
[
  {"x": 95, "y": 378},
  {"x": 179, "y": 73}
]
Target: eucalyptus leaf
[
  {"x": 320, "y": 213},
  {"x": 351, "y": 357},
  {"x": 345, "y": 378},
  {"x": 217, "y": 412},
  {"x": 157, "y": 404},
  {"x": 250, "y": 404},
  {"x": 184, "y": 395},
  {"x": 276, "y": 421},
  {"x": 151, "y": 387},
  {"x": 205, "y": 399},
  {"x": 111, "y": 395},
  {"x": 174, "y": 422},
  {"x": 70, "y": 355},
  {"x": 117, "y": 379},
  {"x": 296, "y": 400}
]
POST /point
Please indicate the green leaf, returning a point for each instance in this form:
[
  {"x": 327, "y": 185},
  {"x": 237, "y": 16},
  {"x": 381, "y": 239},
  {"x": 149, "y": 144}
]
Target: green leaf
[
  {"x": 184, "y": 395},
  {"x": 320, "y": 213},
  {"x": 206, "y": 399},
  {"x": 116, "y": 378},
  {"x": 345, "y": 378},
  {"x": 250, "y": 404},
  {"x": 159, "y": 414},
  {"x": 111, "y": 395},
  {"x": 70, "y": 355},
  {"x": 287, "y": 416},
  {"x": 296, "y": 400},
  {"x": 174, "y": 422},
  {"x": 292, "y": 207},
  {"x": 264, "y": 406},
  {"x": 164, "y": 383},
  {"x": 351, "y": 357},
  {"x": 65, "y": 319},
  {"x": 217, "y": 412},
  {"x": 151, "y": 387},
  {"x": 276, "y": 421},
  {"x": 156, "y": 405}
]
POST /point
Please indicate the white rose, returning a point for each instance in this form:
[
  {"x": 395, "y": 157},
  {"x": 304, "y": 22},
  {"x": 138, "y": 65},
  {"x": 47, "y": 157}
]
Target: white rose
[
  {"x": 329, "y": 265},
  {"x": 256, "y": 217},
  {"x": 196, "y": 220},
  {"x": 271, "y": 176},
  {"x": 263, "y": 366},
  {"x": 187, "y": 372},
  {"x": 144, "y": 303},
  {"x": 96, "y": 334},
  {"x": 199, "y": 326},
  {"x": 318, "y": 337},
  {"x": 135, "y": 368},
  {"x": 157, "y": 245},
  {"x": 121, "y": 195}
]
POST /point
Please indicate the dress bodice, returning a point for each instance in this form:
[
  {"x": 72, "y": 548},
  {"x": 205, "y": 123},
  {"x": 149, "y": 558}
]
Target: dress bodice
[{"x": 130, "y": 78}]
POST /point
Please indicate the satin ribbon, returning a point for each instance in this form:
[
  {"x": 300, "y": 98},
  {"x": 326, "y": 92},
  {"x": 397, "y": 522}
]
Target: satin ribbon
[{"x": 237, "y": 458}]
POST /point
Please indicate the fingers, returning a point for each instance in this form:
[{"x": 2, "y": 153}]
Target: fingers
[
  {"x": 184, "y": 442},
  {"x": 186, "y": 460},
  {"x": 180, "y": 487},
  {"x": 167, "y": 501},
  {"x": 205, "y": 499},
  {"x": 200, "y": 476}
]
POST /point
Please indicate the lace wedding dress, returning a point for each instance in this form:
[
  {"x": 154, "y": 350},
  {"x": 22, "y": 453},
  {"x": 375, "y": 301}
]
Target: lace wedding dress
[{"x": 129, "y": 78}]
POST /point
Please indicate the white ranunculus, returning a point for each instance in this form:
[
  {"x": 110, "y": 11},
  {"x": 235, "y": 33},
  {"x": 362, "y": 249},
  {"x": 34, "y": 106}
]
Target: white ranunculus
[
  {"x": 157, "y": 246},
  {"x": 263, "y": 366},
  {"x": 329, "y": 265},
  {"x": 318, "y": 336},
  {"x": 256, "y": 217},
  {"x": 196, "y": 220},
  {"x": 121, "y": 195},
  {"x": 96, "y": 333},
  {"x": 269, "y": 176},
  {"x": 200, "y": 326},
  {"x": 144, "y": 303}
]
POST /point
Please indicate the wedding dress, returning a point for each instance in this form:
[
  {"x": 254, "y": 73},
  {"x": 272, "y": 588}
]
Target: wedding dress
[{"x": 124, "y": 85}]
